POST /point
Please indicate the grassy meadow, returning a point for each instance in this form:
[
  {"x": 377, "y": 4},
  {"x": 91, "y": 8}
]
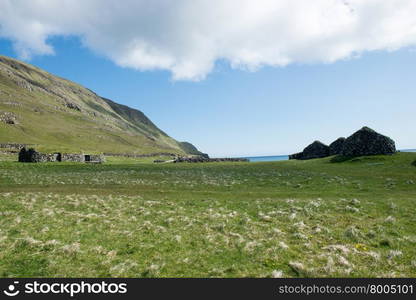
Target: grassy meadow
[{"x": 132, "y": 218}]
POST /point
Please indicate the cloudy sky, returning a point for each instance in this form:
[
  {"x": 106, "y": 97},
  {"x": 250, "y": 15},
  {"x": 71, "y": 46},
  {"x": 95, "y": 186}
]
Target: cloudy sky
[{"x": 235, "y": 77}]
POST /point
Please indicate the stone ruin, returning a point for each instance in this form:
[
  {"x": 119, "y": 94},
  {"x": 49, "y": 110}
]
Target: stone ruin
[
  {"x": 363, "y": 142},
  {"x": 368, "y": 142},
  {"x": 31, "y": 155},
  {"x": 336, "y": 146},
  {"x": 315, "y": 150}
]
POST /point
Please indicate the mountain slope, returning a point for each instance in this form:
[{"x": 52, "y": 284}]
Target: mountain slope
[
  {"x": 191, "y": 149},
  {"x": 55, "y": 114}
]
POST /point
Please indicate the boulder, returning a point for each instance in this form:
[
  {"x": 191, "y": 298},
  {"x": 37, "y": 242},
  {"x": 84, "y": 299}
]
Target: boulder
[
  {"x": 368, "y": 142},
  {"x": 8, "y": 118},
  {"x": 315, "y": 150},
  {"x": 336, "y": 146}
]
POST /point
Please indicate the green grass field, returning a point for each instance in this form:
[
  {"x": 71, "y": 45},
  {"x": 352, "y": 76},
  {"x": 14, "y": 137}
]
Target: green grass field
[{"x": 131, "y": 218}]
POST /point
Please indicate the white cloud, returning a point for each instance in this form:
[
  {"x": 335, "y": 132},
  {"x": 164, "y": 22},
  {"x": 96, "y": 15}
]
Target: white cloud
[{"x": 187, "y": 37}]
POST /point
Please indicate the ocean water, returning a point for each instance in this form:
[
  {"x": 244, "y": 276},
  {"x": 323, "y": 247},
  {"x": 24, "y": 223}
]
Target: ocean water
[
  {"x": 267, "y": 158},
  {"x": 286, "y": 157}
]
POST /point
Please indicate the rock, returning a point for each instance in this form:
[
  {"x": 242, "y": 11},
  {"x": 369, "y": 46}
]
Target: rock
[
  {"x": 315, "y": 150},
  {"x": 336, "y": 146},
  {"x": 72, "y": 105},
  {"x": 8, "y": 118},
  {"x": 368, "y": 142}
]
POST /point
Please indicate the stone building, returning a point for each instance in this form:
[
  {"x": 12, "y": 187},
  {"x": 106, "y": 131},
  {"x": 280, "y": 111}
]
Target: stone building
[
  {"x": 363, "y": 142},
  {"x": 31, "y": 155}
]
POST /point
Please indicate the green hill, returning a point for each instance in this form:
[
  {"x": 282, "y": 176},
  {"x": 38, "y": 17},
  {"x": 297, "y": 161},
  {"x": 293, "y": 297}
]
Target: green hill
[
  {"x": 191, "y": 149},
  {"x": 55, "y": 114}
]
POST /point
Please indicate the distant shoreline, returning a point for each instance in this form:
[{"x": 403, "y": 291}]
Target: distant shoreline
[{"x": 286, "y": 157}]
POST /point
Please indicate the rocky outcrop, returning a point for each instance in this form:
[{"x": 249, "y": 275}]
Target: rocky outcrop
[
  {"x": 336, "y": 147},
  {"x": 368, "y": 142},
  {"x": 315, "y": 150},
  {"x": 72, "y": 105},
  {"x": 8, "y": 118}
]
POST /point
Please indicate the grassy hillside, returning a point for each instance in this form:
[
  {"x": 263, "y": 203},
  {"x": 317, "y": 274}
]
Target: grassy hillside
[
  {"x": 191, "y": 149},
  {"x": 354, "y": 218},
  {"x": 59, "y": 115}
]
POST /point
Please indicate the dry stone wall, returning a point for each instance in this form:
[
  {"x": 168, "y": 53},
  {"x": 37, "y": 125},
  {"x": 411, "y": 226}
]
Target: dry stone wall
[{"x": 31, "y": 155}]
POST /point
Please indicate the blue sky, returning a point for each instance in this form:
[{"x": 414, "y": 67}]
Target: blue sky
[
  {"x": 266, "y": 112},
  {"x": 235, "y": 77}
]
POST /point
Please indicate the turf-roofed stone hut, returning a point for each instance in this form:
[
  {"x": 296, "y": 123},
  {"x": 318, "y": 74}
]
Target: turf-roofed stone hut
[
  {"x": 31, "y": 155},
  {"x": 366, "y": 141},
  {"x": 336, "y": 146},
  {"x": 315, "y": 150}
]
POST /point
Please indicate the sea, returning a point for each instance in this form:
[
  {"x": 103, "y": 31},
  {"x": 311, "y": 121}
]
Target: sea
[
  {"x": 408, "y": 150},
  {"x": 267, "y": 158},
  {"x": 286, "y": 157}
]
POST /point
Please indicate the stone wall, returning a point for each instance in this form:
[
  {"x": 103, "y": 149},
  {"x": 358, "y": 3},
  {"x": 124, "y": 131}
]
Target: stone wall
[
  {"x": 196, "y": 159},
  {"x": 31, "y": 155},
  {"x": 13, "y": 146},
  {"x": 42, "y": 157},
  {"x": 94, "y": 158},
  {"x": 73, "y": 157},
  {"x": 134, "y": 155}
]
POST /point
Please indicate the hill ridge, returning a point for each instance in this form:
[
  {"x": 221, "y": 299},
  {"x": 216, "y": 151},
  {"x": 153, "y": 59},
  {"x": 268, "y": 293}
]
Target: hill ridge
[{"x": 37, "y": 107}]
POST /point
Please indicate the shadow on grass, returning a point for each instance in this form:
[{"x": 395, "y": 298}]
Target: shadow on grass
[{"x": 341, "y": 158}]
